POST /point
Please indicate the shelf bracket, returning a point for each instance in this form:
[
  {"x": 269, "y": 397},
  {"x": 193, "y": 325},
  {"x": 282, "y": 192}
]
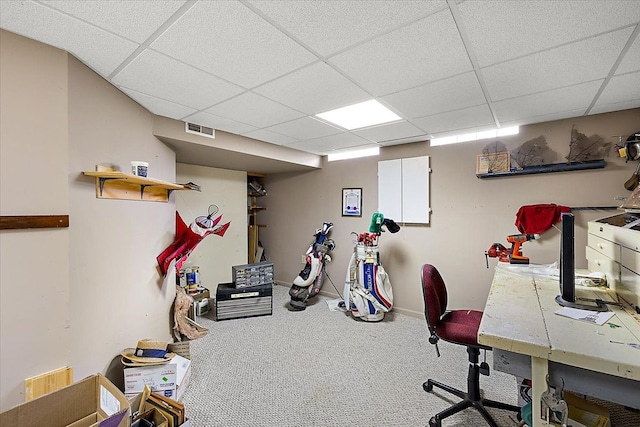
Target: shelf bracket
[{"x": 102, "y": 181}]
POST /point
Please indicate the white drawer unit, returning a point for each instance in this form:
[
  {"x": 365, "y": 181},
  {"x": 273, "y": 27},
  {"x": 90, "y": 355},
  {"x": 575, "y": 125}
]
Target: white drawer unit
[
  {"x": 599, "y": 262},
  {"x": 631, "y": 288},
  {"x": 613, "y": 247},
  {"x": 630, "y": 259},
  {"x": 606, "y": 247}
]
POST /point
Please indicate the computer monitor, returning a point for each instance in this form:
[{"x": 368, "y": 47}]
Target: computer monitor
[{"x": 567, "y": 297}]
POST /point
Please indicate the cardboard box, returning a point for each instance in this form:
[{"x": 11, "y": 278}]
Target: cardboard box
[
  {"x": 157, "y": 417},
  {"x": 184, "y": 375},
  {"x": 160, "y": 378},
  {"x": 182, "y": 348},
  {"x": 153, "y": 415},
  {"x": 170, "y": 379},
  {"x": 87, "y": 403},
  {"x": 587, "y": 413}
]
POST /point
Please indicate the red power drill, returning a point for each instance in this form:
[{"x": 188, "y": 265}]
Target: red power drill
[{"x": 513, "y": 256}]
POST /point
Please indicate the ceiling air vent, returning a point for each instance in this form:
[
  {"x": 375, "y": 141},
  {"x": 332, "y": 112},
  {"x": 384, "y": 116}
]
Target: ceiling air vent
[{"x": 199, "y": 130}]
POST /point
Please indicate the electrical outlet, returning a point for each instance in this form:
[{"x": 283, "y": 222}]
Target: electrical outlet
[{"x": 304, "y": 259}]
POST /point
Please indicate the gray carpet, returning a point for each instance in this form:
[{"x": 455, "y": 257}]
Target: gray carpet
[{"x": 324, "y": 368}]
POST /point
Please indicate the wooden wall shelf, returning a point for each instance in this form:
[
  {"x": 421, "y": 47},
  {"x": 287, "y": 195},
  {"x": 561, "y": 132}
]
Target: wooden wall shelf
[
  {"x": 112, "y": 184},
  {"x": 554, "y": 167},
  {"x": 21, "y": 222}
]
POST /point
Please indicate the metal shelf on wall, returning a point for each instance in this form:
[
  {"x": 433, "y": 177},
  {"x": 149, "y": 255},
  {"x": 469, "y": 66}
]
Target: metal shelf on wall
[{"x": 554, "y": 167}]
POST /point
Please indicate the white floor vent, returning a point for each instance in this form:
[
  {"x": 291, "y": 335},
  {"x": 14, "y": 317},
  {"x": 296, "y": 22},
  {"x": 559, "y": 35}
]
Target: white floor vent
[{"x": 199, "y": 130}]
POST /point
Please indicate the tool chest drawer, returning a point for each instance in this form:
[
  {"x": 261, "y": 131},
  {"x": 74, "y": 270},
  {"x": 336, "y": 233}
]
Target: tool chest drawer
[{"x": 604, "y": 246}]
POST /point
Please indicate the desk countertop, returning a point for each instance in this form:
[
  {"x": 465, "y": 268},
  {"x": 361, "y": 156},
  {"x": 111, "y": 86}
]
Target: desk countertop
[
  {"x": 511, "y": 319},
  {"x": 520, "y": 317}
]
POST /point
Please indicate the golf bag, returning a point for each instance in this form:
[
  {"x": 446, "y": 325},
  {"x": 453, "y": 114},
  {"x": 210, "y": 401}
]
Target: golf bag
[
  {"x": 367, "y": 288},
  {"x": 309, "y": 281}
]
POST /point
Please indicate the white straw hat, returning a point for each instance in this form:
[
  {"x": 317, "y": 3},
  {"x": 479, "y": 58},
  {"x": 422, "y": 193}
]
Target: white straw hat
[{"x": 147, "y": 352}]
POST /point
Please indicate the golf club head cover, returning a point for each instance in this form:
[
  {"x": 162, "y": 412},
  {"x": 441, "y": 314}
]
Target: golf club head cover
[{"x": 391, "y": 225}]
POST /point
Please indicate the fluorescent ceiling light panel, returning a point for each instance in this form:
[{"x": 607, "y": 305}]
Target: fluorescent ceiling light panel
[
  {"x": 360, "y": 115},
  {"x": 355, "y": 154},
  {"x": 454, "y": 139},
  {"x": 514, "y": 130}
]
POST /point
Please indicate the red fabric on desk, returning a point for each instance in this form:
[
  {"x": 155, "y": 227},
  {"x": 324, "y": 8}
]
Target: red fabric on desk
[{"x": 536, "y": 219}]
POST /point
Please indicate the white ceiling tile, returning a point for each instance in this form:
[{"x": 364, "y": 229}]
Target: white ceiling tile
[
  {"x": 330, "y": 26},
  {"x": 390, "y": 132},
  {"x": 616, "y": 106},
  {"x": 268, "y": 136},
  {"x": 220, "y": 123},
  {"x": 314, "y": 89},
  {"x": 621, "y": 88},
  {"x": 305, "y": 128},
  {"x": 99, "y": 49},
  {"x": 404, "y": 141},
  {"x": 444, "y": 95},
  {"x": 163, "y": 77},
  {"x": 567, "y": 65},
  {"x": 209, "y": 36},
  {"x": 563, "y": 99},
  {"x": 426, "y": 51},
  {"x": 135, "y": 20},
  {"x": 159, "y": 106},
  {"x": 502, "y": 30},
  {"x": 459, "y": 120},
  {"x": 549, "y": 117},
  {"x": 631, "y": 60},
  {"x": 327, "y": 144},
  {"x": 255, "y": 110}
]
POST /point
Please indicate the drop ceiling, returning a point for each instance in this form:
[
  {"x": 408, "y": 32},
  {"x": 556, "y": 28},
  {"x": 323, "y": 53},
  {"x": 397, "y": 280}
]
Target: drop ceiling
[{"x": 263, "y": 69}]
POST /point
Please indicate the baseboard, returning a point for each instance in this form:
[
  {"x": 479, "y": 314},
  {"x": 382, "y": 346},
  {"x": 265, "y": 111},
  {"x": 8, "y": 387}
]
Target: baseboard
[{"x": 333, "y": 295}]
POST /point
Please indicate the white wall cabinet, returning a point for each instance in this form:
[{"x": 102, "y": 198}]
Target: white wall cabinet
[{"x": 403, "y": 190}]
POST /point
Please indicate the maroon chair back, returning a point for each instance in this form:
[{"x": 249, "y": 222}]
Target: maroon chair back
[{"x": 435, "y": 295}]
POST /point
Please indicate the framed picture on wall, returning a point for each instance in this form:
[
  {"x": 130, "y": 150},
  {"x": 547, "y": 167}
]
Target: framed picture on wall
[
  {"x": 352, "y": 202},
  {"x": 494, "y": 162}
]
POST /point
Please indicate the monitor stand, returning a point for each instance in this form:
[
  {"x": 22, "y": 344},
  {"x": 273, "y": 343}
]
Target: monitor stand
[{"x": 567, "y": 297}]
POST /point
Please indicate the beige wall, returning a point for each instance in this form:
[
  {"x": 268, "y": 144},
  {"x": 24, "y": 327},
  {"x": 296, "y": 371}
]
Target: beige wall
[
  {"x": 469, "y": 214},
  {"x": 228, "y": 190},
  {"x": 116, "y": 294},
  {"x": 74, "y": 296},
  {"x": 34, "y": 264}
]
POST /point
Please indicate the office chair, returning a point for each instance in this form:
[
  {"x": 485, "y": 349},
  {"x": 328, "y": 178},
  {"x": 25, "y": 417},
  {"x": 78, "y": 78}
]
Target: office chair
[{"x": 457, "y": 327}]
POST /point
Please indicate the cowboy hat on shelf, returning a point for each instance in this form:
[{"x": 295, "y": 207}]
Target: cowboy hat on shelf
[{"x": 148, "y": 352}]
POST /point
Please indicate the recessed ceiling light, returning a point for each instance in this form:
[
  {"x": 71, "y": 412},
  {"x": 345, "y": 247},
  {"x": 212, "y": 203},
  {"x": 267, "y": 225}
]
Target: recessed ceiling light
[
  {"x": 354, "y": 154},
  {"x": 360, "y": 115},
  {"x": 454, "y": 139}
]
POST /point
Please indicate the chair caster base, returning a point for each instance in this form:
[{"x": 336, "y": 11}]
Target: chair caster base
[
  {"x": 427, "y": 386},
  {"x": 434, "y": 423}
]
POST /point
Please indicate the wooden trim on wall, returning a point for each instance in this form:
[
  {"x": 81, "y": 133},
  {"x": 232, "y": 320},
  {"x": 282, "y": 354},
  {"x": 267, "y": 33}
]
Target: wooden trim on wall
[{"x": 20, "y": 222}]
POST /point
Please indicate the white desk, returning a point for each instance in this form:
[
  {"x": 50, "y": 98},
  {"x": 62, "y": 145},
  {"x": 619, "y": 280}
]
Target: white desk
[{"x": 519, "y": 318}]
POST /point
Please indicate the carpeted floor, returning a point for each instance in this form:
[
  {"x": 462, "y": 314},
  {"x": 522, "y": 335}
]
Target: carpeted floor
[{"x": 324, "y": 368}]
